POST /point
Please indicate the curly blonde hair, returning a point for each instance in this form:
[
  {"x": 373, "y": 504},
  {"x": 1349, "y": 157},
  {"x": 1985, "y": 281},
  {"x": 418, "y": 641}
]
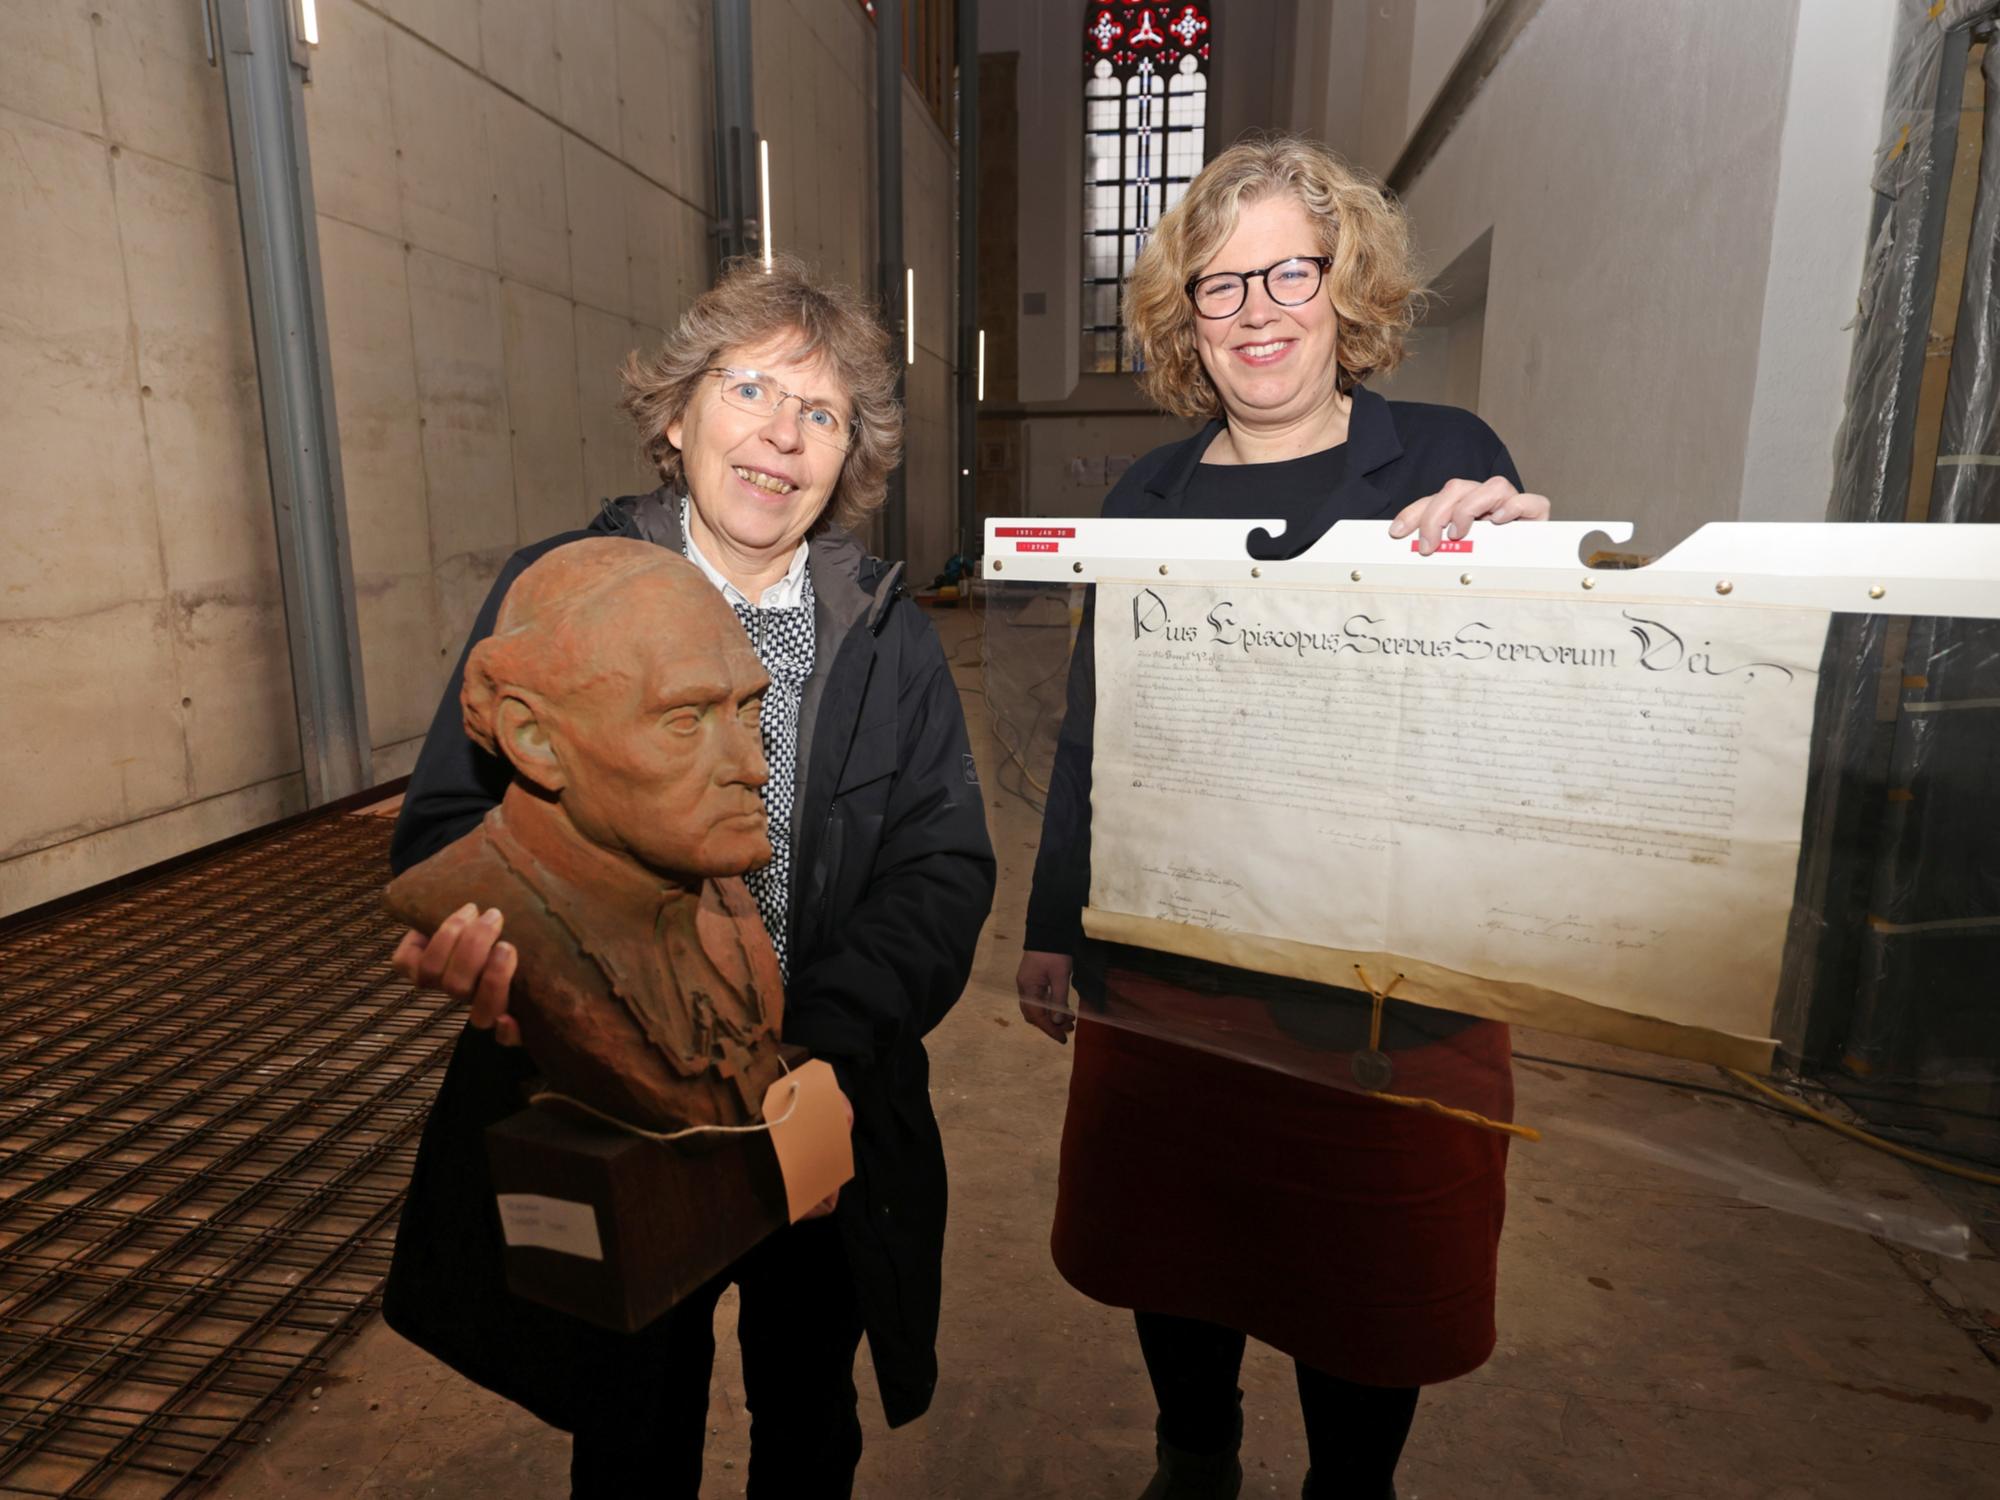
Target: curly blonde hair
[
  {"x": 1373, "y": 281},
  {"x": 749, "y": 305}
]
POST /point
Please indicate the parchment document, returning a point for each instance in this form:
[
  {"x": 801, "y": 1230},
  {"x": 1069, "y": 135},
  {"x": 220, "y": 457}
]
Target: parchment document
[{"x": 1577, "y": 815}]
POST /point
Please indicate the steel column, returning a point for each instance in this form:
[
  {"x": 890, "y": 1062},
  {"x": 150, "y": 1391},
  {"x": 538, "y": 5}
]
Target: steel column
[
  {"x": 889, "y": 238},
  {"x": 263, "y": 65},
  {"x": 737, "y": 230},
  {"x": 967, "y": 540}
]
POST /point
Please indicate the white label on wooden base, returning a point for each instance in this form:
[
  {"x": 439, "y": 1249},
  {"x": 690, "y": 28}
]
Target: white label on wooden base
[{"x": 550, "y": 1224}]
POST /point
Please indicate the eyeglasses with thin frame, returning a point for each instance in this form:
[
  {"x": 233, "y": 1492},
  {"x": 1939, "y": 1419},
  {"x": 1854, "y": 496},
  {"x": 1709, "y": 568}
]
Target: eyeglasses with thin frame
[
  {"x": 1289, "y": 283},
  {"x": 755, "y": 392}
]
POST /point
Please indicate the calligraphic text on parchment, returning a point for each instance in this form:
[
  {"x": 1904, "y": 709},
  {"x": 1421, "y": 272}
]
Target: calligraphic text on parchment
[{"x": 1597, "y": 799}]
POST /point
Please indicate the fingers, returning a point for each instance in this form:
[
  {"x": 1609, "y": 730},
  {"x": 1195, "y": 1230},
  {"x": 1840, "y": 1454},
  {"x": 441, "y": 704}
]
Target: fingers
[
  {"x": 489, "y": 994},
  {"x": 466, "y": 959},
  {"x": 409, "y": 953},
  {"x": 1042, "y": 985},
  {"x": 460, "y": 977},
  {"x": 1048, "y": 1019},
  {"x": 437, "y": 952},
  {"x": 1430, "y": 516},
  {"x": 1481, "y": 502},
  {"x": 1448, "y": 515}
]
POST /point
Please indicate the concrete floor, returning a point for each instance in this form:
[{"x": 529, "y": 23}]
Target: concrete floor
[{"x": 1660, "y": 1335}]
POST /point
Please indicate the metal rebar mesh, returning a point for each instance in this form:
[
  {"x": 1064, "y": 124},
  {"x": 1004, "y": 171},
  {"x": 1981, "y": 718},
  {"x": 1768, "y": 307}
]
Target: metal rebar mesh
[{"x": 211, "y": 1088}]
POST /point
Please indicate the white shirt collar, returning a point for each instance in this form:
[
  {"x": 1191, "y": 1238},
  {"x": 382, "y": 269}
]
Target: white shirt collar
[{"x": 786, "y": 593}]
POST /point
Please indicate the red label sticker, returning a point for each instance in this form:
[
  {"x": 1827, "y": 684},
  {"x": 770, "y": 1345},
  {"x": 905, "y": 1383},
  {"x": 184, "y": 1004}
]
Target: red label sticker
[
  {"x": 1045, "y": 531},
  {"x": 1038, "y": 546},
  {"x": 1459, "y": 546}
]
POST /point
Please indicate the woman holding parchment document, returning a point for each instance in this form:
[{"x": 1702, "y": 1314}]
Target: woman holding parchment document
[{"x": 1215, "y": 1197}]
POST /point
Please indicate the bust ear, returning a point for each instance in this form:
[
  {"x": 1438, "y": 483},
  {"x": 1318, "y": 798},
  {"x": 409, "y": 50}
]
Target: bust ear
[{"x": 523, "y": 737}]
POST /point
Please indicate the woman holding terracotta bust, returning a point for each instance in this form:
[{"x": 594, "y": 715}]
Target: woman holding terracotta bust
[{"x": 770, "y": 413}]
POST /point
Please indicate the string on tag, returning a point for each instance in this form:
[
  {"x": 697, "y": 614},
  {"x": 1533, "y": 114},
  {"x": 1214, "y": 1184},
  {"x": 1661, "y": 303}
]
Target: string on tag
[
  {"x": 672, "y": 1135},
  {"x": 1379, "y": 999}
]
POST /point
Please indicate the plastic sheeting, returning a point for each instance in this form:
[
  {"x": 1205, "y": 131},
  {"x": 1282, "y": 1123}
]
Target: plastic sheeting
[
  {"x": 1339, "y": 1034},
  {"x": 1912, "y": 177},
  {"x": 1028, "y": 632},
  {"x": 1900, "y": 889},
  {"x": 1929, "y": 1002}
]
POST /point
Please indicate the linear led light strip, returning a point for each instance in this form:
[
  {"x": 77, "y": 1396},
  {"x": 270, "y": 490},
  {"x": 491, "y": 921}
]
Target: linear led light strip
[{"x": 764, "y": 197}]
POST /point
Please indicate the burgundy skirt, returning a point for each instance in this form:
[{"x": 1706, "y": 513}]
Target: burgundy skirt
[{"x": 1358, "y": 1237}]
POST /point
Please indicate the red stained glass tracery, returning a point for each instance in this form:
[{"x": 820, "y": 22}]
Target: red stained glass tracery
[{"x": 1145, "y": 130}]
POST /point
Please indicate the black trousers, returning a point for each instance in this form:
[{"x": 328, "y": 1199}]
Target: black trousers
[
  {"x": 799, "y": 1327},
  {"x": 1354, "y": 1433}
]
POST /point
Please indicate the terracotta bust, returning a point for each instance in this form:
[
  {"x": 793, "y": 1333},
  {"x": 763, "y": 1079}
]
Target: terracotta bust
[{"x": 619, "y": 686}]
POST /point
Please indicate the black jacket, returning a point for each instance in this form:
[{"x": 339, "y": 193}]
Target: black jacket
[
  {"x": 891, "y": 881},
  {"x": 1397, "y": 452}
]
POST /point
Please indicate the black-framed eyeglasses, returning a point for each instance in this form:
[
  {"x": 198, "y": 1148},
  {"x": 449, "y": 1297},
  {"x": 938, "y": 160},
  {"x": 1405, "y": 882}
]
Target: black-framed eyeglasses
[
  {"x": 755, "y": 392},
  {"x": 1289, "y": 283}
]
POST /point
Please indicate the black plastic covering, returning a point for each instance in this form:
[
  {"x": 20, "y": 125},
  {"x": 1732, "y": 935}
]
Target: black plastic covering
[{"x": 1896, "y": 999}]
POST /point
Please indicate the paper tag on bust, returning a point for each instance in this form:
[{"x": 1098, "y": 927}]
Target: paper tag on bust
[
  {"x": 809, "y": 1131},
  {"x": 550, "y": 1224}
]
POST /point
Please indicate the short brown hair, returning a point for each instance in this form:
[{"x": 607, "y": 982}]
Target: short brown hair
[
  {"x": 749, "y": 305},
  {"x": 1373, "y": 281}
]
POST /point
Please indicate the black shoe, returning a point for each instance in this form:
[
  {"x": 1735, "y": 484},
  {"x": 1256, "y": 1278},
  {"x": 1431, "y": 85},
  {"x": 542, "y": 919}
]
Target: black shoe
[{"x": 1195, "y": 1476}]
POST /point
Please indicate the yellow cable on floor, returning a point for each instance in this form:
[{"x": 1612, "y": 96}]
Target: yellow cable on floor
[{"x": 1991, "y": 1179}]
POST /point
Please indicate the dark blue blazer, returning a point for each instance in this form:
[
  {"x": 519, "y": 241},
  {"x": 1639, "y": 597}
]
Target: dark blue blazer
[{"x": 1397, "y": 452}]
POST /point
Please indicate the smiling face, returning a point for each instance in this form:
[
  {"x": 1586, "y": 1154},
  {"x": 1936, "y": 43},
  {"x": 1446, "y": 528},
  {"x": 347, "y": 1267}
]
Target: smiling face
[
  {"x": 757, "y": 483},
  {"x": 1271, "y": 364},
  {"x": 661, "y": 758}
]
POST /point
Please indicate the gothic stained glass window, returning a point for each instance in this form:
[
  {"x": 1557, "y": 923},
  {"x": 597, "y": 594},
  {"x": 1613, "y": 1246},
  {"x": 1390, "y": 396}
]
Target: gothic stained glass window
[{"x": 1145, "y": 112}]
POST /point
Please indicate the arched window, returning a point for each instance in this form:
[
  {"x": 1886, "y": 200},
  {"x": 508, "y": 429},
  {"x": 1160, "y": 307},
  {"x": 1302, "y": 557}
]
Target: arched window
[{"x": 1145, "y": 112}]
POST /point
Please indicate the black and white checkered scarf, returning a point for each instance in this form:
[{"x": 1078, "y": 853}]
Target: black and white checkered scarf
[{"x": 784, "y": 640}]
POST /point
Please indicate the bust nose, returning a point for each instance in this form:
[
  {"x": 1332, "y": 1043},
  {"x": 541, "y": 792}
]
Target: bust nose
[{"x": 743, "y": 762}]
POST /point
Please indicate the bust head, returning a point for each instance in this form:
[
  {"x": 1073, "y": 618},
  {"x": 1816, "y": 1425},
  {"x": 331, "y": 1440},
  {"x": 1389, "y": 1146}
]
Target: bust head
[{"x": 618, "y": 684}]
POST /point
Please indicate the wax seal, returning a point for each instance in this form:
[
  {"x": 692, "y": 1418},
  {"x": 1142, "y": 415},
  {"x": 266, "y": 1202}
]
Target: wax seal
[{"x": 1372, "y": 1069}]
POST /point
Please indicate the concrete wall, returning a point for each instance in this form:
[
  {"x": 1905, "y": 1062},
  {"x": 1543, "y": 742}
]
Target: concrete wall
[
  {"x": 1439, "y": 30},
  {"x": 1818, "y": 239},
  {"x": 1677, "y": 198},
  {"x": 144, "y": 681},
  {"x": 1047, "y": 36},
  {"x": 1624, "y": 159},
  {"x": 815, "y": 96},
  {"x": 512, "y": 195},
  {"x": 1042, "y": 415}
]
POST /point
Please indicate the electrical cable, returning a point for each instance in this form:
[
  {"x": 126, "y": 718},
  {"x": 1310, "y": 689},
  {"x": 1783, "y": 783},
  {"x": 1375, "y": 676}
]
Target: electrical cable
[
  {"x": 1001, "y": 719},
  {"x": 1785, "y": 1105},
  {"x": 1853, "y": 1132}
]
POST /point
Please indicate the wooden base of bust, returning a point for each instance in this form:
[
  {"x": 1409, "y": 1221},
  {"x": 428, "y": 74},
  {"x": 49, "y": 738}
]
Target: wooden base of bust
[{"x": 615, "y": 1229}]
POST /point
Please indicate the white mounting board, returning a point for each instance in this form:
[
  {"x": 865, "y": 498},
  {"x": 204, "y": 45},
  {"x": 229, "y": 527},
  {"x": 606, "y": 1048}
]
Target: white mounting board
[{"x": 1853, "y": 568}]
